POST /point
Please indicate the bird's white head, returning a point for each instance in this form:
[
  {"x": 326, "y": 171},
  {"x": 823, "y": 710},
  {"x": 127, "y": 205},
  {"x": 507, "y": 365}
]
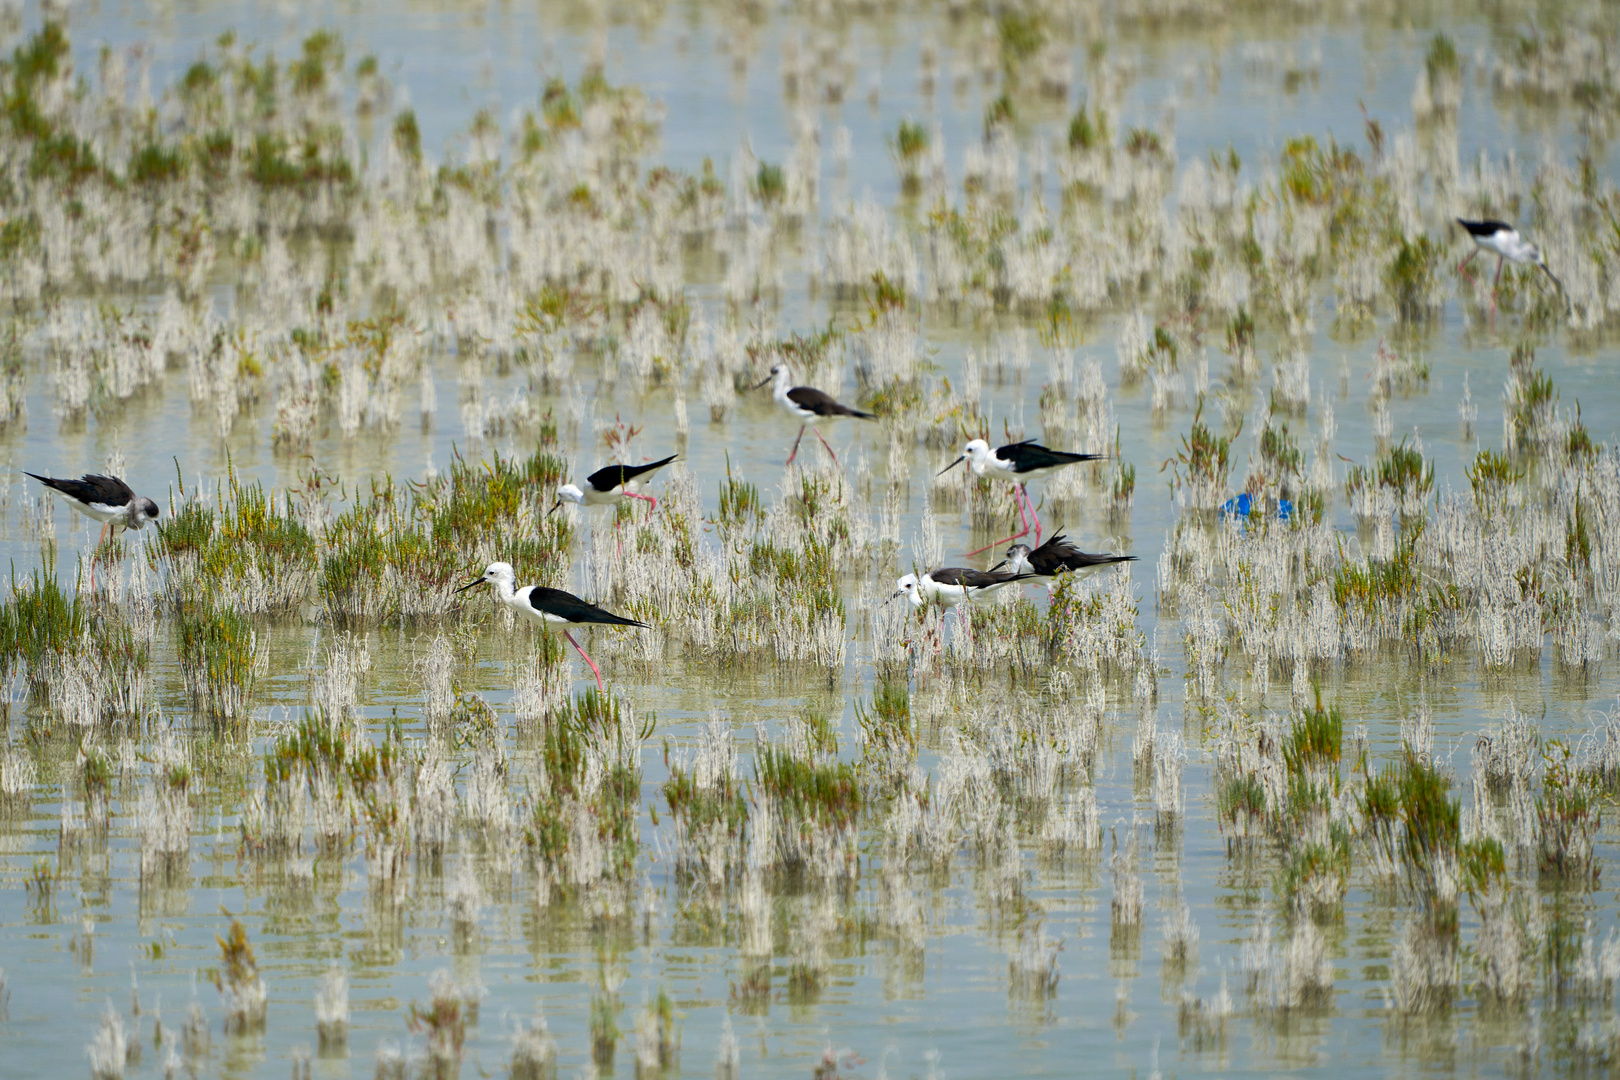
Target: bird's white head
[
  {"x": 780, "y": 375},
  {"x": 140, "y": 512},
  {"x": 910, "y": 588},
  {"x": 1017, "y": 559},
  {"x": 499, "y": 574},
  {"x": 568, "y": 493},
  {"x": 976, "y": 453}
]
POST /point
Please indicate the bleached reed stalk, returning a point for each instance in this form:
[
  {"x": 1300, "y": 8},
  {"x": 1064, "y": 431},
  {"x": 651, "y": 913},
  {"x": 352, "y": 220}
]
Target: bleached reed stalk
[
  {"x": 1169, "y": 801},
  {"x": 1032, "y": 972},
  {"x": 1181, "y": 940},
  {"x": 657, "y": 1045},
  {"x": 332, "y": 1010},
  {"x": 1424, "y": 975},
  {"x": 1126, "y": 907},
  {"x": 1511, "y": 935},
  {"x": 728, "y": 1054},
  {"x": 534, "y": 1052},
  {"x": 109, "y": 1049}
]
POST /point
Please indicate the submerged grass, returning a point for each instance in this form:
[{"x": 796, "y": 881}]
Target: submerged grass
[{"x": 537, "y": 251}]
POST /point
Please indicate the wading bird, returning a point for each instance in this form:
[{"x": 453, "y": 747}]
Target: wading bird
[
  {"x": 107, "y": 499},
  {"x": 1057, "y": 556},
  {"x": 1019, "y": 462},
  {"x": 547, "y": 607},
  {"x": 613, "y": 484},
  {"x": 1503, "y": 241},
  {"x": 809, "y": 405},
  {"x": 953, "y": 585}
]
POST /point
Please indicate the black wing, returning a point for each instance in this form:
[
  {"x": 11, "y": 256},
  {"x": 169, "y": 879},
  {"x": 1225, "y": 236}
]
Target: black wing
[
  {"x": 567, "y": 606},
  {"x": 90, "y": 488},
  {"x": 974, "y": 579},
  {"x": 812, "y": 400},
  {"x": 1484, "y": 228},
  {"x": 615, "y": 476},
  {"x": 1030, "y": 455},
  {"x": 1059, "y": 554}
]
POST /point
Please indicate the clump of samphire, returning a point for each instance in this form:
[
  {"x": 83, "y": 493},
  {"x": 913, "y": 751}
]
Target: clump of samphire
[
  {"x": 239, "y": 981},
  {"x": 332, "y": 1011}
]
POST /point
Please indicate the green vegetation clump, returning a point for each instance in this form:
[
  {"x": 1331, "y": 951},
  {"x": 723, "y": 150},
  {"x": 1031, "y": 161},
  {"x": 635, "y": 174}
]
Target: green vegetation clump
[
  {"x": 216, "y": 649},
  {"x": 1088, "y": 130}
]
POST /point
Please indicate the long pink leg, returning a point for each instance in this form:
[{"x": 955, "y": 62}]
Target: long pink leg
[
  {"x": 796, "y": 442},
  {"x": 1036, "y": 518},
  {"x": 1022, "y": 517},
  {"x": 824, "y": 443},
  {"x": 647, "y": 498},
  {"x": 1462, "y": 267},
  {"x": 599, "y": 687},
  {"x": 102, "y": 539}
]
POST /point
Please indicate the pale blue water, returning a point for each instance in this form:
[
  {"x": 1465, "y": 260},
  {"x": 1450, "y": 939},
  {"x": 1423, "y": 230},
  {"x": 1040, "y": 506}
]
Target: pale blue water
[{"x": 948, "y": 1011}]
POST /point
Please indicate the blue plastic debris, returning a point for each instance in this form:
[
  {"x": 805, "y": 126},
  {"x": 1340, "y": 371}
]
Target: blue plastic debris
[{"x": 1243, "y": 506}]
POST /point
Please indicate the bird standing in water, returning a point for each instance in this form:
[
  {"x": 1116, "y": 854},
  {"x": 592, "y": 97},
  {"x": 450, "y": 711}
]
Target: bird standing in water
[
  {"x": 809, "y": 405},
  {"x": 549, "y": 607},
  {"x": 106, "y": 499},
  {"x": 1504, "y": 241}
]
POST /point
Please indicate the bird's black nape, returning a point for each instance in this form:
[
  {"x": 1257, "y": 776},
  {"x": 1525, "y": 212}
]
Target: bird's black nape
[{"x": 1484, "y": 228}]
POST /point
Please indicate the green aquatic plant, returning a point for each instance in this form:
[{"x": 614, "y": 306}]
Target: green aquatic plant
[
  {"x": 1491, "y": 476},
  {"x": 239, "y": 982},
  {"x": 39, "y": 624},
  {"x": 254, "y": 549},
  {"x": 1529, "y": 404},
  {"x": 808, "y": 795},
  {"x": 740, "y": 503},
  {"x": 591, "y": 759},
  {"x": 1088, "y": 130},
  {"x": 217, "y": 647},
  {"x": 910, "y": 147},
  {"x": 1410, "y": 277},
  {"x": 604, "y": 1028},
  {"x": 1569, "y": 817},
  {"x": 1204, "y": 461},
  {"x": 770, "y": 184},
  {"x": 1021, "y": 34},
  {"x": 444, "y": 1022},
  {"x": 889, "y": 744},
  {"x": 1442, "y": 61}
]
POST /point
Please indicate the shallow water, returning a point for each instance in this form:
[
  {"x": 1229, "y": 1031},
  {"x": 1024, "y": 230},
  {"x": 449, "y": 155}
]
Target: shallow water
[{"x": 944, "y": 1003}]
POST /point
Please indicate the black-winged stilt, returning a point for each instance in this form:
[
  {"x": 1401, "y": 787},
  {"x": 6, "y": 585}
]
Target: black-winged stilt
[
  {"x": 547, "y": 607},
  {"x": 1503, "y": 241},
  {"x": 105, "y": 498},
  {"x": 809, "y": 405},
  {"x": 613, "y": 484},
  {"x": 1057, "y": 556},
  {"x": 1019, "y": 462},
  {"x": 953, "y": 585}
]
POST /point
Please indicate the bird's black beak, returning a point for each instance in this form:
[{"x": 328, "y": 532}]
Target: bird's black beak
[
  {"x": 767, "y": 382},
  {"x": 553, "y": 509},
  {"x": 898, "y": 593},
  {"x": 951, "y": 466},
  {"x": 996, "y": 567},
  {"x": 469, "y": 585}
]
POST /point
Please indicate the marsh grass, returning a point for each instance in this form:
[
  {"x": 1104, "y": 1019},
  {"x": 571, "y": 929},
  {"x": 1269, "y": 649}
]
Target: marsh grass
[
  {"x": 217, "y": 648},
  {"x": 239, "y": 983},
  {"x": 565, "y": 255}
]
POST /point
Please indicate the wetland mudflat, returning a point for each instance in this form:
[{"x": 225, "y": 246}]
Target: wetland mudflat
[{"x": 1324, "y": 780}]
